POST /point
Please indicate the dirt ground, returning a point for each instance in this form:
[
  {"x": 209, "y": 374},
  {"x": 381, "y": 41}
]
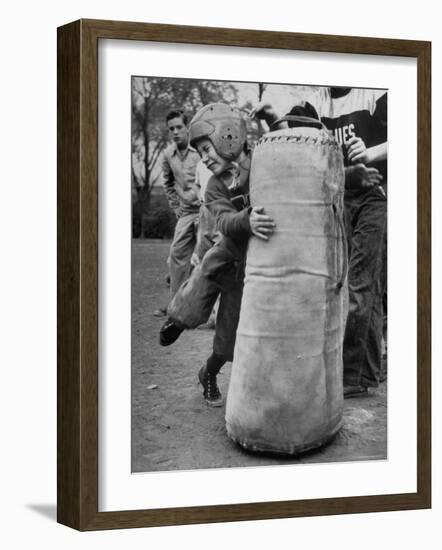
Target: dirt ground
[{"x": 172, "y": 426}]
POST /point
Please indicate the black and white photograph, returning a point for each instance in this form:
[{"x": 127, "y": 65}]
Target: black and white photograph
[
  {"x": 258, "y": 274},
  {"x": 198, "y": 228}
]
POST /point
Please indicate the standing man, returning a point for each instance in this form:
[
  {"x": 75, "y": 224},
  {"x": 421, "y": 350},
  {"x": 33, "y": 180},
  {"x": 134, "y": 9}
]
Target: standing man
[
  {"x": 357, "y": 117},
  {"x": 179, "y": 166}
]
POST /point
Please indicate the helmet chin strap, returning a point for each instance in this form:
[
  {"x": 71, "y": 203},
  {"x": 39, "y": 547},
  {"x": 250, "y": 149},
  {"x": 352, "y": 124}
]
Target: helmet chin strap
[
  {"x": 230, "y": 177},
  {"x": 239, "y": 172},
  {"x": 235, "y": 171}
]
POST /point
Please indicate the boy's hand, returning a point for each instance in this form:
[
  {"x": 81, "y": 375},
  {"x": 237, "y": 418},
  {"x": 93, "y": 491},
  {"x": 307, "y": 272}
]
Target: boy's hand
[
  {"x": 178, "y": 211},
  {"x": 264, "y": 111},
  {"x": 361, "y": 177},
  {"x": 356, "y": 150},
  {"x": 262, "y": 226}
]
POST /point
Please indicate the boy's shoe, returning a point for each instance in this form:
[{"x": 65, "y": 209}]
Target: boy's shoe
[
  {"x": 211, "y": 392},
  {"x": 169, "y": 333},
  {"x": 355, "y": 391}
]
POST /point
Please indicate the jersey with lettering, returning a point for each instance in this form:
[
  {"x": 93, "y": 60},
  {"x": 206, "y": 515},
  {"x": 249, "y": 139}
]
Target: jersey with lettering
[{"x": 361, "y": 112}]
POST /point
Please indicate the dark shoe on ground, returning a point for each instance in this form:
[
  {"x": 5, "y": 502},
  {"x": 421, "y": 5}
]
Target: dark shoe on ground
[
  {"x": 355, "y": 391},
  {"x": 160, "y": 312},
  {"x": 211, "y": 392},
  {"x": 169, "y": 333}
]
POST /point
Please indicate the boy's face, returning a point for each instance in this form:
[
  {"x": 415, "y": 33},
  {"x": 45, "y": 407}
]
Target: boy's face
[
  {"x": 210, "y": 157},
  {"x": 178, "y": 131}
]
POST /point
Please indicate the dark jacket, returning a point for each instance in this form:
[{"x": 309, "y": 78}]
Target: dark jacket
[{"x": 230, "y": 210}]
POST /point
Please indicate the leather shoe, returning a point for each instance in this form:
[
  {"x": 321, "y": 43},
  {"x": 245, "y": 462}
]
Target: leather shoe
[{"x": 169, "y": 333}]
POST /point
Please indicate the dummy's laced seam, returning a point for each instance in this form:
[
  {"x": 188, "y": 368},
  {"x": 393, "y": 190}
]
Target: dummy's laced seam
[{"x": 298, "y": 139}]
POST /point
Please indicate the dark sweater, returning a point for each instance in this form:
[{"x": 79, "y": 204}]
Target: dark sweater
[{"x": 231, "y": 213}]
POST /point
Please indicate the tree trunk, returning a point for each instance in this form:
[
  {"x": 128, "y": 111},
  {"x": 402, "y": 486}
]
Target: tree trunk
[
  {"x": 144, "y": 191},
  {"x": 146, "y": 142}
]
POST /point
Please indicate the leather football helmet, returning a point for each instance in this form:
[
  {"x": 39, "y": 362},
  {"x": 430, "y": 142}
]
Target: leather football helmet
[{"x": 223, "y": 126}]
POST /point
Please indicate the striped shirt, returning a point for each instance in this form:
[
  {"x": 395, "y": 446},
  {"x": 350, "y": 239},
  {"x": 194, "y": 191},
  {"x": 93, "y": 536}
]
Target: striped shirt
[{"x": 361, "y": 112}]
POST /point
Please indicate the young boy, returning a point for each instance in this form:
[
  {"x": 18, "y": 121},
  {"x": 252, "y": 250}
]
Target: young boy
[{"x": 218, "y": 132}]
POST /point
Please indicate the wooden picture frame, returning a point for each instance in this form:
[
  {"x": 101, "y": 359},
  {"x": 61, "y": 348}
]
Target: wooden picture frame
[{"x": 77, "y": 224}]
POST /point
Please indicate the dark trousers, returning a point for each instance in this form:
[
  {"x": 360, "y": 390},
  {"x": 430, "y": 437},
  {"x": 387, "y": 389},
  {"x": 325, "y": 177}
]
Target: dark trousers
[
  {"x": 366, "y": 223},
  {"x": 216, "y": 275}
]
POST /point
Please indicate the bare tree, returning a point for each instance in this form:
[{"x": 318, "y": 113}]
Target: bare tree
[{"x": 152, "y": 99}]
